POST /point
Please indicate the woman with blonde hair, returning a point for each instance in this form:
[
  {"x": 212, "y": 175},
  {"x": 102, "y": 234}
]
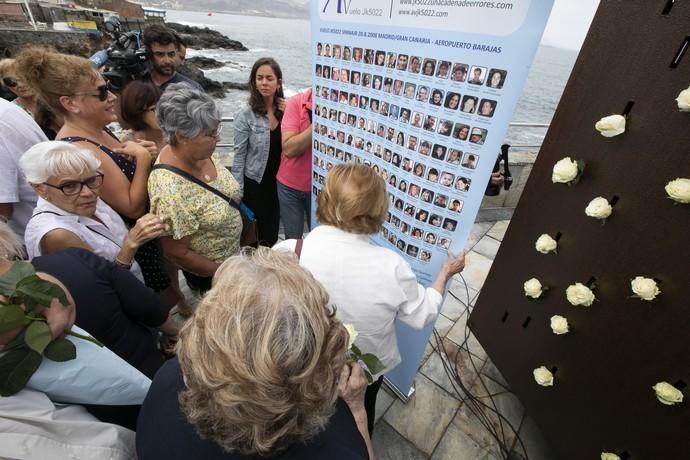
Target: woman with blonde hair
[
  {"x": 371, "y": 286},
  {"x": 26, "y": 99},
  {"x": 72, "y": 88},
  {"x": 260, "y": 367}
]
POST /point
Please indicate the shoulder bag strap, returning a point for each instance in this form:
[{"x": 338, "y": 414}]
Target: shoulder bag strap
[
  {"x": 198, "y": 182},
  {"x": 298, "y": 247}
]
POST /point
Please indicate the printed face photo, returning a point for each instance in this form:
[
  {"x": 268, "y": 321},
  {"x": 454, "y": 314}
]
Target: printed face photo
[
  {"x": 413, "y": 191},
  {"x": 486, "y": 108},
  {"x": 327, "y": 50},
  {"x": 368, "y": 56},
  {"x": 443, "y": 69},
  {"x": 335, "y": 73},
  {"x": 478, "y": 136},
  {"x": 402, "y": 62},
  {"x": 462, "y": 184},
  {"x": 441, "y": 200},
  {"x": 409, "y": 90},
  {"x": 336, "y": 51},
  {"x": 417, "y": 119},
  {"x": 380, "y": 59},
  {"x": 430, "y": 238},
  {"x": 319, "y": 49},
  {"x": 417, "y": 233},
  {"x": 469, "y": 104},
  {"x": 409, "y": 210},
  {"x": 419, "y": 169},
  {"x": 450, "y": 224},
  {"x": 427, "y": 195},
  {"x": 432, "y": 175},
  {"x": 454, "y": 156},
  {"x": 496, "y": 78},
  {"x": 317, "y": 71},
  {"x": 445, "y": 127},
  {"x": 435, "y": 220},
  {"x": 387, "y": 84},
  {"x": 425, "y": 256},
  {"x": 396, "y": 160},
  {"x": 363, "y": 102},
  {"x": 430, "y": 123},
  {"x": 412, "y": 143},
  {"x": 470, "y": 161},
  {"x": 461, "y": 131},
  {"x": 344, "y": 76},
  {"x": 354, "y": 100},
  {"x": 366, "y": 80},
  {"x": 438, "y": 152},
  {"x": 374, "y": 105},
  {"x": 459, "y": 72},
  {"x": 400, "y": 245},
  {"x": 402, "y": 186},
  {"x": 383, "y": 108},
  {"x": 422, "y": 94},
  {"x": 400, "y": 138},
  {"x": 421, "y": 215},
  {"x": 347, "y": 53},
  {"x": 477, "y": 75},
  {"x": 404, "y": 115},
  {"x": 446, "y": 179},
  {"x": 390, "y": 60},
  {"x": 377, "y": 82},
  {"x": 355, "y": 78},
  {"x": 443, "y": 243},
  {"x": 398, "y": 87},
  {"x": 436, "y": 97},
  {"x": 361, "y": 123},
  {"x": 428, "y": 67},
  {"x": 326, "y": 72},
  {"x": 415, "y": 64},
  {"x": 357, "y": 54},
  {"x": 412, "y": 250},
  {"x": 452, "y": 101},
  {"x": 425, "y": 148},
  {"x": 455, "y": 205}
]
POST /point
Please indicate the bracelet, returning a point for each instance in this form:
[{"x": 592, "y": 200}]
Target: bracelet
[{"x": 123, "y": 264}]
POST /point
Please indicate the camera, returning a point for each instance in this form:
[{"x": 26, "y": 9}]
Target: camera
[
  {"x": 493, "y": 190},
  {"x": 126, "y": 58}
]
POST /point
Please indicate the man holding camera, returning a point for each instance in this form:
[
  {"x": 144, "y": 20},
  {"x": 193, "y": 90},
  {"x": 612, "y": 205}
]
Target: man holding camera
[{"x": 164, "y": 51}]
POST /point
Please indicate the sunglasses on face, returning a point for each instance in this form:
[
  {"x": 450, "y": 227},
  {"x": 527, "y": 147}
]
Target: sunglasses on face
[
  {"x": 9, "y": 82},
  {"x": 74, "y": 187},
  {"x": 101, "y": 94}
]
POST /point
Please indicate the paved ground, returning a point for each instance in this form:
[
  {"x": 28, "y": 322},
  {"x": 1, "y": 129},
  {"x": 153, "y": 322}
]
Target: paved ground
[{"x": 438, "y": 423}]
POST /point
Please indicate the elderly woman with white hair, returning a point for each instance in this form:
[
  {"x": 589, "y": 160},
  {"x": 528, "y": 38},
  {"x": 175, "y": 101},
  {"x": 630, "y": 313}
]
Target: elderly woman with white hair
[
  {"x": 69, "y": 212},
  {"x": 191, "y": 190}
]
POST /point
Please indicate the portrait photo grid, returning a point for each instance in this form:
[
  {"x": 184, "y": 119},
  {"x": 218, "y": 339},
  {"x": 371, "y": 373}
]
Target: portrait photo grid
[{"x": 418, "y": 121}]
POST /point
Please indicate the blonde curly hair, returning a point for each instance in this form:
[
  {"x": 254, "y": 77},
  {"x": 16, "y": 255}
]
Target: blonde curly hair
[{"x": 262, "y": 355}]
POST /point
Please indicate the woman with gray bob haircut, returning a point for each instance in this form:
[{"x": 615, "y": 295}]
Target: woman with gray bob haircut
[
  {"x": 69, "y": 212},
  {"x": 204, "y": 228}
]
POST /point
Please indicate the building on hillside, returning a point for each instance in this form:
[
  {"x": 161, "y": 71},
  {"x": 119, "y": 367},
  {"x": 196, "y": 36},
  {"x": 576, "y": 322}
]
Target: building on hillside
[{"x": 13, "y": 14}]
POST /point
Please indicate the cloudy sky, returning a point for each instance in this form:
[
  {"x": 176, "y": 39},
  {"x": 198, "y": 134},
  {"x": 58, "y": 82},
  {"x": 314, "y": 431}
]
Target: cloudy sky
[{"x": 569, "y": 22}]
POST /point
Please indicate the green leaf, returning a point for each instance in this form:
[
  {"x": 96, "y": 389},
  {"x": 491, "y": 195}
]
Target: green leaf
[
  {"x": 60, "y": 350},
  {"x": 11, "y": 317},
  {"x": 36, "y": 291},
  {"x": 356, "y": 351},
  {"x": 16, "y": 368},
  {"x": 373, "y": 363},
  {"x": 9, "y": 280},
  {"x": 38, "y": 336}
]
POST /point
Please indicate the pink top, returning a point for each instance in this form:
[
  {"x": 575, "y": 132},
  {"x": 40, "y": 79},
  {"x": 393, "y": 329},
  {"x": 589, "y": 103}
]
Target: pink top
[{"x": 296, "y": 172}]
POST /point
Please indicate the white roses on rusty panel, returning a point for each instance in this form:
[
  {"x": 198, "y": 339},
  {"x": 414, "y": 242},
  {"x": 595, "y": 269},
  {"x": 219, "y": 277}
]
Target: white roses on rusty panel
[
  {"x": 667, "y": 394},
  {"x": 543, "y": 376},
  {"x": 610, "y": 126},
  {"x": 645, "y": 288}
]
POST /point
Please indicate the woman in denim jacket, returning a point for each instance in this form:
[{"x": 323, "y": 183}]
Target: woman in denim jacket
[{"x": 258, "y": 147}]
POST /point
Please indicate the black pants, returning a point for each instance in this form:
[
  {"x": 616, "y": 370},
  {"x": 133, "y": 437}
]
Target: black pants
[
  {"x": 262, "y": 199},
  {"x": 370, "y": 403},
  {"x": 196, "y": 282}
]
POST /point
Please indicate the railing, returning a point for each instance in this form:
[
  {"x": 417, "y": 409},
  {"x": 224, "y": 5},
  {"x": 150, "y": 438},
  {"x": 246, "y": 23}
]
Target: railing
[{"x": 513, "y": 124}]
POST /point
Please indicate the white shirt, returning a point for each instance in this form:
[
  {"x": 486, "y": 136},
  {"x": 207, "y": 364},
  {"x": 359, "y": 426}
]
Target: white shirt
[
  {"x": 370, "y": 286},
  {"x": 105, "y": 238},
  {"x": 18, "y": 132}
]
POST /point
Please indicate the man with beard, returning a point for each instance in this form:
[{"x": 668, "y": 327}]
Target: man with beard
[{"x": 163, "y": 47}]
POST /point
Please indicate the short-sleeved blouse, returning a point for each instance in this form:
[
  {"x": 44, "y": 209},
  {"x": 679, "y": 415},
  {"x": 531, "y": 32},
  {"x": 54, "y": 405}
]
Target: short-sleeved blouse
[{"x": 213, "y": 225}]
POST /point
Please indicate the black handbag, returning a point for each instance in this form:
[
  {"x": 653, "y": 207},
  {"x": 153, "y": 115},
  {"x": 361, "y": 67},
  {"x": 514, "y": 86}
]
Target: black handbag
[{"x": 250, "y": 228}]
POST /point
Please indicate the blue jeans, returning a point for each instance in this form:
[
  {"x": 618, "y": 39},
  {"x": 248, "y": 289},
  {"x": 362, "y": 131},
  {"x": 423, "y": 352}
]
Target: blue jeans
[{"x": 293, "y": 206}]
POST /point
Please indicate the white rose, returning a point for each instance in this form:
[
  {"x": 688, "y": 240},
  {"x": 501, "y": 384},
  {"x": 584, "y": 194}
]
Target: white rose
[
  {"x": 352, "y": 332},
  {"x": 645, "y": 288},
  {"x": 559, "y": 325},
  {"x": 545, "y": 244},
  {"x": 609, "y": 456},
  {"x": 683, "y": 100},
  {"x": 610, "y": 126},
  {"x": 679, "y": 190},
  {"x": 533, "y": 288},
  {"x": 564, "y": 171},
  {"x": 599, "y": 208},
  {"x": 543, "y": 376},
  {"x": 579, "y": 294},
  {"x": 667, "y": 393}
]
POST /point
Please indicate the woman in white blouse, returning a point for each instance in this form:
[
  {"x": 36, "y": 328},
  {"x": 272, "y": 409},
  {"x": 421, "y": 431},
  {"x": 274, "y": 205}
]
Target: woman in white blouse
[
  {"x": 370, "y": 286},
  {"x": 69, "y": 212}
]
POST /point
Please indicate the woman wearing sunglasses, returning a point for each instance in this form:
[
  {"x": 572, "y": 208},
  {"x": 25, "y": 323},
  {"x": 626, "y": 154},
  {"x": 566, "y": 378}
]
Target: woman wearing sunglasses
[
  {"x": 69, "y": 213},
  {"x": 26, "y": 99},
  {"x": 71, "y": 87}
]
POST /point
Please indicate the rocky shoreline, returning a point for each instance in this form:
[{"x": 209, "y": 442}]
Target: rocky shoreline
[{"x": 85, "y": 45}]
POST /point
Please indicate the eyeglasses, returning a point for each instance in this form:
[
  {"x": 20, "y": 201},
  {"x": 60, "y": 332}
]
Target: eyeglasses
[
  {"x": 102, "y": 93},
  {"x": 74, "y": 187},
  {"x": 9, "y": 82}
]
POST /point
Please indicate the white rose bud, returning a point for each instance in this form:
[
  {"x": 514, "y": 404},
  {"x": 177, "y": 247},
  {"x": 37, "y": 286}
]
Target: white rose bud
[
  {"x": 599, "y": 208},
  {"x": 645, "y": 288},
  {"x": 610, "y": 126},
  {"x": 579, "y": 294},
  {"x": 667, "y": 393},
  {"x": 352, "y": 332},
  {"x": 679, "y": 190},
  {"x": 564, "y": 171},
  {"x": 533, "y": 288},
  {"x": 543, "y": 376},
  {"x": 683, "y": 100},
  {"x": 545, "y": 244},
  {"x": 609, "y": 456},
  {"x": 559, "y": 325}
]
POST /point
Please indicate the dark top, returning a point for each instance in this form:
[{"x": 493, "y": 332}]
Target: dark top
[
  {"x": 111, "y": 304},
  {"x": 164, "y": 433},
  {"x": 179, "y": 78},
  {"x": 149, "y": 256},
  {"x": 274, "y": 150}
]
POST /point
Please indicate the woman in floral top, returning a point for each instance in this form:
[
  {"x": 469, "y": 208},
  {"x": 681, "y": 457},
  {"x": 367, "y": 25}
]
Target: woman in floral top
[{"x": 204, "y": 228}]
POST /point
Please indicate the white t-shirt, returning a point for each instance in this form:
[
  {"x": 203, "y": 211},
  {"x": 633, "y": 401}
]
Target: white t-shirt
[{"x": 18, "y": 132}]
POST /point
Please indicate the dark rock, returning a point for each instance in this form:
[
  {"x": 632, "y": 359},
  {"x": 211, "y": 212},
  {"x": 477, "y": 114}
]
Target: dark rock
[
  {"x": 203, "y": 62},
  {"x": 80, "y": 44},
  {"x": 211, "y": 87},
  {"x": 197, "y": 37},
  {"x": 235, "y": 85}
]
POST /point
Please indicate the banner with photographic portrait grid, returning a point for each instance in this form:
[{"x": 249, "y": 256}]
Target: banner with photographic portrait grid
[{"x": 423, "y": 95}]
